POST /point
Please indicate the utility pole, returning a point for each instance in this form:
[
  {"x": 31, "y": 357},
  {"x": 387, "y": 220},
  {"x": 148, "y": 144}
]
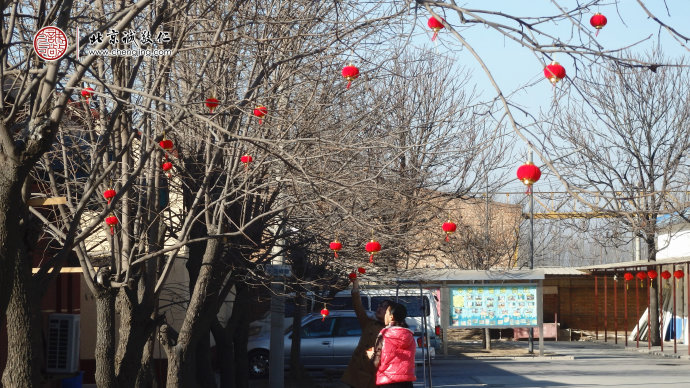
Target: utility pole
[{"x": 531, "y": 247}]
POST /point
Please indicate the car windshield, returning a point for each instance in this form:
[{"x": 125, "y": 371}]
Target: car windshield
[{"x": 413, "y": 304}]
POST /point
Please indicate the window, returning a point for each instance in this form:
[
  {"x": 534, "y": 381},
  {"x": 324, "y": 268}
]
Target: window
[
  {"x": 413, "y": 304},
  {"x": 345, "y": 303},
  {"x": 318, "y": 328},
  {"x": 348, "y": 327}
]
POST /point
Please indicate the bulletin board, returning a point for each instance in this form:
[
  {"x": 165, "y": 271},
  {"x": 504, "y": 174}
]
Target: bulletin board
[{"x": 494, "y": 306}]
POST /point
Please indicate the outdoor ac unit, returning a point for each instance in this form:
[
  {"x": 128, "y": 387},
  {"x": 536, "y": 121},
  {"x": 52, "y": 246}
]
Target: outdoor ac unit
[{"x": 62, "y": 355}]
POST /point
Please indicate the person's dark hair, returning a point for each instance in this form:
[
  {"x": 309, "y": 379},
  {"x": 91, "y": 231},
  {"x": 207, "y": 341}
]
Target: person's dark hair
[
  {"x": 386, "y": 302},
  {"x": 399, "y": 313}
]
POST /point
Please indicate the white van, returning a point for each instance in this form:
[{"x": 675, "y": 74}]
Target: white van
[{"x": 421, "y": 308}]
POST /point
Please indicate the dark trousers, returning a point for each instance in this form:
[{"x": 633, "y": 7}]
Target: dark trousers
[{"x": 406, "y": 384}]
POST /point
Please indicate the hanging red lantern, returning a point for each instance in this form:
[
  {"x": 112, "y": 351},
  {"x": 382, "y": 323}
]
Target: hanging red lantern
[
  {"x": 167, "y": 166},
  {"x": 324, "y": 312},
  {"x": 449, "y": 227},
  {"x": 554, "y": 72},
  {"x": 436, "y": 26},
  {"x": 166, "y": 144},
  {"x": 373, "y": 247},
  {"x": 260, "y": 111},
  {"x": 652, "y": 274},
  {"x": 598, "y": 21},
  {"x": 350, "y": 72},
  {"x": 361, "y": 270},
  {"x": 628, "y": 277},
  {"x": 246, "y": 159},
  {"x": 678, "y": 274},
  {"x": 335, "y": 247},
  {"x": 211, "y": 103},
  {"x": 111, "y": 221},
  {"x": 352, "y": 276},
  {"x": 642, "y": 276},
  {"x": 666, "y": 275},
  {"x": 529, "y": 174},
  {"x": 109, "y": 194},
  {"x": 87, "y": 92}
]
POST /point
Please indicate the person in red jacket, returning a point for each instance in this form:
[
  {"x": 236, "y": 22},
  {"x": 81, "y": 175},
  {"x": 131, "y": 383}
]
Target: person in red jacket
[{"x": 393, "y": 353}]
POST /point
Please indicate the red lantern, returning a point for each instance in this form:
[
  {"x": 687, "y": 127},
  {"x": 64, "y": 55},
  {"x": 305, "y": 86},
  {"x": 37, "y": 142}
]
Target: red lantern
[
  {"x": 652, "y": 274},
  {"x": 642, "y": 276},
  {"x": 246, "y": 159},
  {"x": 628, "y": 277},
  {"x": 678, "y": 274},
  {"x": 167, "y": 166},
  {"x": 529, "y": 174},
  {"x": 350, "y": 73},
  {"x": 260, "y": 111},
  {"x": 554, "y": 72},
  {"x": 598, "y": 21},
  {"x": 352, "y": 276},
  {"x": 111, "y": 221},
  {"x": 324, "y": 313},
  {"x": 449, "y": 227},
  {"x": 361, "y": 270},
  {"x": 87, "y": 93},
  {"x": 166, "y": 144},
  {"x": 436, "y": 26},
  {"x": 373, "y": 247},
  {"x": 666, "y": 275},
  {"x": 211, "y": 103},
  {"x": 336, "y": 246},
  {"x": 109, "y": 194}
]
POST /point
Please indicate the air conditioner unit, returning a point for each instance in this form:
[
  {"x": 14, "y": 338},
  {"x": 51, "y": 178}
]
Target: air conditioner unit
[{"x": 62, "y": 355}]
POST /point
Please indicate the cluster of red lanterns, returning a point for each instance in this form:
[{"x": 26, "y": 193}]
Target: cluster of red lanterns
[
  {"x": 652, "y": 274},
  {"x": 372, "y": 247},
  {"x": 167, "y": 146},
  {"x": 353, "y": 275}
]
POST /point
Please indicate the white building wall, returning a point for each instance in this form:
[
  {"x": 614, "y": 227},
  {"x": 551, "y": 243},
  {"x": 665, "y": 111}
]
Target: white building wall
[{"x": 676, "y": 244}]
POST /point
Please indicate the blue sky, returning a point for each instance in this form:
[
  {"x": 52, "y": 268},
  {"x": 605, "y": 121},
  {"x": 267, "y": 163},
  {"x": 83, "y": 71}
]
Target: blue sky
[{"x": 517, "y": 69}]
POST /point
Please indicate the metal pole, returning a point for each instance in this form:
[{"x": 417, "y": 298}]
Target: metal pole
[
  {"x": 625, "y": 310},
  {"x": 615, "y": 310},
  {"x": 531, "y": 248},
  {"x": 687, "y": 297},
  {"x": 276, "y": 360},
  {"x": 637, "y": 314},
  {"x": 606, "y": 310},
  {"x": 649, "y": 313},
  {"x": 661, "y": 308},
  {"x": 596, "y": 307},
  {"x": 673, "y": 319}
]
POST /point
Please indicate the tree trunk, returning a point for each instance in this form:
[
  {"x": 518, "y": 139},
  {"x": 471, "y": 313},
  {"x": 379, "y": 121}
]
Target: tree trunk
[
  {"x": 11, "y": 235},
  {"x": 296, "y": 369},
  {"x": 24, "y": 355},
  {"x": 181, "y": 368},
  {"x": 136, "y": 327},
  {"x": 105, "y": 339},
  {"x": 653, "y": 299},
  {"x": 146, "y": 378}
]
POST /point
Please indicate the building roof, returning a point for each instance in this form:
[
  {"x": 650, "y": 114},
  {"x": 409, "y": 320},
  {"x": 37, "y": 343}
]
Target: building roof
[
  {"x": 635, "y": 264},
  {"x": 436, "y": 276}
]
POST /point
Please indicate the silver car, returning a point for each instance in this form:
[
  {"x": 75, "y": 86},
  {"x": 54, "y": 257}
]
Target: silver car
[{"x": 326, "y": 343}]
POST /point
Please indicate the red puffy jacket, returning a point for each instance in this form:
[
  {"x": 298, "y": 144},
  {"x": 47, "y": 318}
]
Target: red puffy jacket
[{"x": 397, "y": 356}]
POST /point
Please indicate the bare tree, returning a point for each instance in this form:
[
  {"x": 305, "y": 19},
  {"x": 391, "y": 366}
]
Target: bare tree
[{"x": 625, "y": 148}]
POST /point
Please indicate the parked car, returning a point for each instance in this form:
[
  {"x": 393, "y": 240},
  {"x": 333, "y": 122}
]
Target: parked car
[
  {"x": 421, "y": 307},
  {"x": 325, "y": 344}
]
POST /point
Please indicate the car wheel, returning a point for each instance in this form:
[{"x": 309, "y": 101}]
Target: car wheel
[{"x": 258, "y": 363}]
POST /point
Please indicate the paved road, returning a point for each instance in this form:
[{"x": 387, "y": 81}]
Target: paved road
[
  {"x": 573, "y": 364},
  {"x": 578, "y": 364}
]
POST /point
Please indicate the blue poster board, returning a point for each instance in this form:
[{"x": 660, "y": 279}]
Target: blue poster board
[{"x": 494, "y": 306}]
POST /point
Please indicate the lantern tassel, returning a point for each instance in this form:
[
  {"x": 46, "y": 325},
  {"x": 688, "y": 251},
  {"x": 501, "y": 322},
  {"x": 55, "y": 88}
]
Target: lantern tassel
[
  {"x": 112, "y": 232},
  {"x": 597, "y": 34},
  {"x": 371, "y": 258},
  {"x": 336, "y": 254},
  {"x": 447, "y": 237},
  {"x": 348, "y": 84},
  {"x": 323, "y": 318},
  {"x": 433, "y": 38},
  {"x": 261, "y": 121}
]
